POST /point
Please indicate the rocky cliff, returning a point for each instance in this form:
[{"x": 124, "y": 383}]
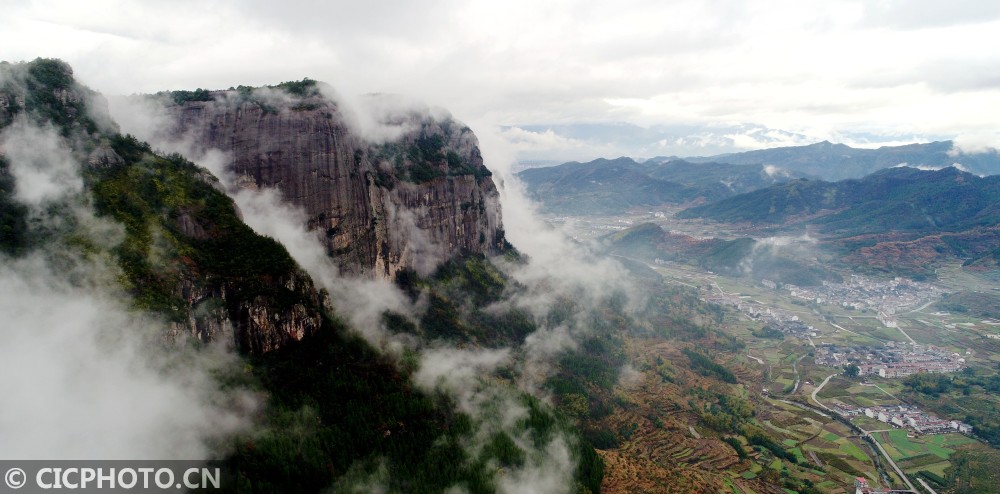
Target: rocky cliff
[
  {"x": 380, "y": 205},
  {"x": 185, "y": 253}
]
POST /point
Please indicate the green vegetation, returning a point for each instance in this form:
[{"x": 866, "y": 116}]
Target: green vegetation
[
  {"x": 181, "y": 97},
  {"x": 50, "y": 94},
  {"x": 426, "y": 155},
  {"x": 973, "y": 472},
  {"x": 337, "y": 406},
  {"x": 727, "y": 414},
  {"x": 931, "y": 384},
  {"x": 768, "y": 332},
  {"x": 179, "y": 227},
  {"x": 707, "y": 367},
  {"x": 737, "y": 446},
  {"x": 303, "y": 88},
  {"x": 972, "y": 303},
  {"x": 851, "y": 370},
  {"x": 769, "y": 444},
  {"x": 13, "y": 215}
]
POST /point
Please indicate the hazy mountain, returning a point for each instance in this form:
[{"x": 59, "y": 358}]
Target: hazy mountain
[
  {"x": 614, "y": 186},
  {"x": 601, "y": 187},
  {"x": 739, "y": 257},
  {"x": 895, "y": 199},
  {"x": 838, "y": 161},
  {"x": 895, "y": 211}
]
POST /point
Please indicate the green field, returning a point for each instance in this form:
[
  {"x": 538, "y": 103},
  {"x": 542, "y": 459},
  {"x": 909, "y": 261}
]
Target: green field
[{"x": 825, "y": 450}]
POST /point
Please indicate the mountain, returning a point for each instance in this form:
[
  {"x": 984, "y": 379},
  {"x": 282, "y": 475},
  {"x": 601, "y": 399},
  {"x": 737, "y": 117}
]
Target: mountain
[
  {"x": 922, "y": 212},
  {"x": 214, "y": 278},
  {"x": 830, "y": 161},
  {"x": 648, "y": 242},
  {"x": 413, "y": 201},
  {"x": 600, "y": 187},
  {"x": 475, "y": 369},
  {"x": 86, "y": 209},
  {"x": 615, "y": 186},
  {"x": 899, "y": 199}
]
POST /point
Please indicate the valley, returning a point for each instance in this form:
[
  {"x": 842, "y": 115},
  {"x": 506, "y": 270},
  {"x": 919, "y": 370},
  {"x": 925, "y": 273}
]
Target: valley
[{"x": 799, "y": 341}]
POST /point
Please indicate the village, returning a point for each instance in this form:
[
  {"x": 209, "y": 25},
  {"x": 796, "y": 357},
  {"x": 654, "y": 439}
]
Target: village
[
  {"x": 894, "y": 360},
  {"x": 884, "y": 298},
  {"x": 905, "y": 417},
  {"x": 777, "y": 319}
]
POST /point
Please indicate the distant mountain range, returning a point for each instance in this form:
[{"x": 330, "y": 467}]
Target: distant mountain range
[
  {"x": 830, "y": 161},
  {"x": 900, "y": 199},
  {"x": 900, "y": 220},
  {"x": 613, "y": 186}
]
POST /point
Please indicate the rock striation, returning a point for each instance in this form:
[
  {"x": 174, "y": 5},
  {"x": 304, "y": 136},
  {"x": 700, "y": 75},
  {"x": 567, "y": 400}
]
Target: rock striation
[{"x": 380, "y": 206}]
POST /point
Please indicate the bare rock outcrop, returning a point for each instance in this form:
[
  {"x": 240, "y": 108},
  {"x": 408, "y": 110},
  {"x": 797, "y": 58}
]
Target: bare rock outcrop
[{"x": 380, "y": 206}]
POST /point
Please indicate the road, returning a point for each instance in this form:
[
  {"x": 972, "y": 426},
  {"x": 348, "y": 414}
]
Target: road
[
  {"x": 906, "y": 335},
  {"x": 884, "y": 391},
  {"x": 882, "y": 451},
  {"x": 844, "y": 329},
  {"x": 932, "y": 491},
  {"x": 650, "y": 266},
  {"x": 795, "y": 367},
  {"x": 819, "y": 388},
  {"x": 888, "y": 459},
  {"x": 922, "y": 307},
  {"x": 759, "y": 361}
]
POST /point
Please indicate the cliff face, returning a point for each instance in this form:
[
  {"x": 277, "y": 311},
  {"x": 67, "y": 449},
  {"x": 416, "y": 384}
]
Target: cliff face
[
  {"x": 411, "y": 202},
  {"x": 185, "y": 255}
]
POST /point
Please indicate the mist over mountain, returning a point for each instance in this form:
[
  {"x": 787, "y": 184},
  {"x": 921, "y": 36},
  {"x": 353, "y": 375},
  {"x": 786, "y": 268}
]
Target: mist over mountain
[
  {"x": 902, "y": 199},
  {"x": 901, "y": 216},
  {"x": 830, "y": 161},
  {"x": 319, "y": 293},
  {"x": 297, "y": 373},
  {"x": 615, "y": 186}
]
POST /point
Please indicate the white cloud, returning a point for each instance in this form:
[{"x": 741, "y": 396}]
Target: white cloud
[
  {"x": 84, "y": 378},
  {"x": 819, "y": 70},
  {"x": 43, "y": 168},
  {"x": 84, "y": 375}
]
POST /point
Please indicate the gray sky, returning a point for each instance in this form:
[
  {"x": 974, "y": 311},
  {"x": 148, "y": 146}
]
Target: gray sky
[{"x": 732, "y": 74}]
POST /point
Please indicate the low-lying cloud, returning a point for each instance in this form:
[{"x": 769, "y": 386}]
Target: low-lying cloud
[{"x": 85, "y": 375}]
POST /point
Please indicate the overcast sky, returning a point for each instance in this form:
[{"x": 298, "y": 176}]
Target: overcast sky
[{"x": 751, "y": 73}]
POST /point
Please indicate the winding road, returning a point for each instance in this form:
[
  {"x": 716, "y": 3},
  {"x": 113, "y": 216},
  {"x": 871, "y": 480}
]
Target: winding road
[
  {"x": 818, "y": 389},
  {"x": 878, "y": 445}
]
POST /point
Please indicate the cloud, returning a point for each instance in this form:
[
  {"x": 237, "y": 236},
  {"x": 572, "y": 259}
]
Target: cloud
[
  {"x": 923, "y": 14},
  {"x": 558, "y": 271},
  {"x": 43, "y": 168},
  {"x": 524, "y": 63},
  {"x": 773, "y": 171},
  {"x": 975, "y": 142},
  {"x": 85, "y": 376}
]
